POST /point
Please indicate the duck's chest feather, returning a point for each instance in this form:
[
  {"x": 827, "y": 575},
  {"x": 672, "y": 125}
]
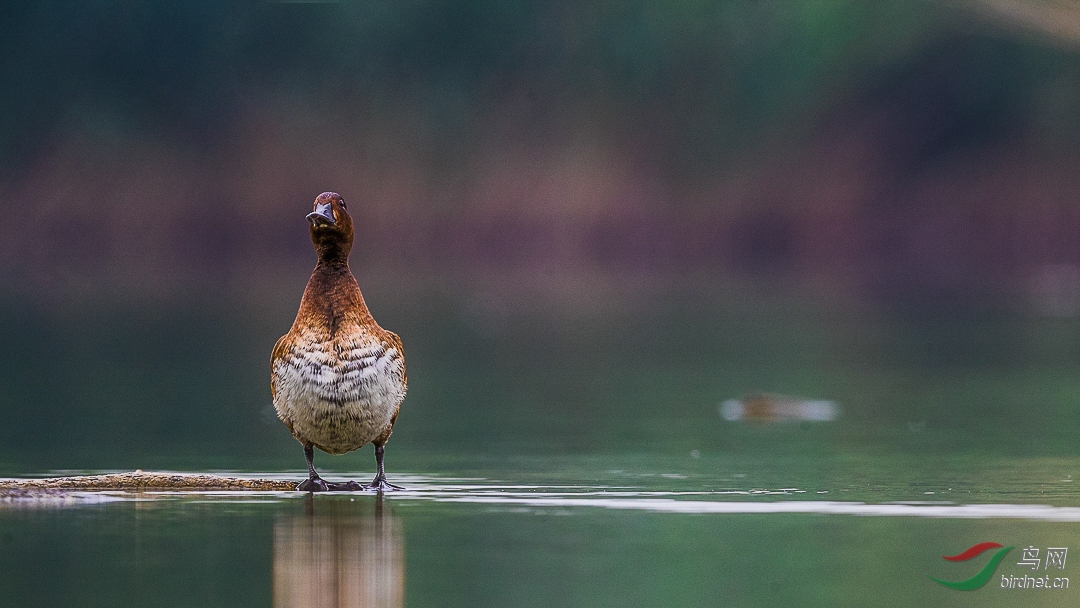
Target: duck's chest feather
[{"x": 339, "y": 391}]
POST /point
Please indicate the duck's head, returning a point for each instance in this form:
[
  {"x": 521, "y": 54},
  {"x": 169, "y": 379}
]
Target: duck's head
[{"x": 331, "y": 228}]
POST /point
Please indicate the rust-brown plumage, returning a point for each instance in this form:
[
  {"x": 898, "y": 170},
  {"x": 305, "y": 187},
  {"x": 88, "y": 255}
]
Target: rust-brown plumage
[{"x": 337, "y": 378}]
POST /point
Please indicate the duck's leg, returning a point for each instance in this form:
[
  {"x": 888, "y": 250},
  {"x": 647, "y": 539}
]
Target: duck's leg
[
  {"x": 314, "y": 483},
  {"x": 379, "y": 483}
]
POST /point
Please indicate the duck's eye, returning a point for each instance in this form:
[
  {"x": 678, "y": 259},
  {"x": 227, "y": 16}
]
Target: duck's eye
[{"x": 343, "y": 205}]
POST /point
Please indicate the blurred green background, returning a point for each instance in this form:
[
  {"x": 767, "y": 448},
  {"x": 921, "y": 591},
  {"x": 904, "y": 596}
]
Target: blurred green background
[
  {"x": 595, "y": 225},
  {"x": 591, "y": 223}
]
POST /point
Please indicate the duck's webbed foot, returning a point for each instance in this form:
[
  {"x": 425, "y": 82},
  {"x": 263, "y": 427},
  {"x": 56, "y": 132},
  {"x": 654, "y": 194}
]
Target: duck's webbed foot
[
  {"x": 313, "y": 484},
  {"x": 379, "y": 484},
  {"x": 319, "y": 484}
]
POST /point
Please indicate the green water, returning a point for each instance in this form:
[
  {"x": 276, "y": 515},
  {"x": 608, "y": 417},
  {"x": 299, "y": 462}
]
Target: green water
[
  {"x": 589, "y": 531},
  {"x": 554, "y": 459}
]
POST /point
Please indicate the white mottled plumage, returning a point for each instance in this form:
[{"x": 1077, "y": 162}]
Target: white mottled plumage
[{"x": 338, "y": 393}]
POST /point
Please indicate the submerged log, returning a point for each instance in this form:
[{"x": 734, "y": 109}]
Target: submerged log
[{"x": 139, "y": 481}]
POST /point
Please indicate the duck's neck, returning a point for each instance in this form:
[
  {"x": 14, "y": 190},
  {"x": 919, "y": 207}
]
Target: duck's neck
[
  {"x": 333, "y": 251},
  {"x": 332, "y": 296},
  {"x": 333, "y": 282},
  {"x": 333, "y": 265}
]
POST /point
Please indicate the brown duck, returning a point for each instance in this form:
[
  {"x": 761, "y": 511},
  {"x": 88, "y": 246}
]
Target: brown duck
[{"x": 337, "y": 378}]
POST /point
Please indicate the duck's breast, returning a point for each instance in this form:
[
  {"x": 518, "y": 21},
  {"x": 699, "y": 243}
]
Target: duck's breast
[{"x": 338, "y": 393}]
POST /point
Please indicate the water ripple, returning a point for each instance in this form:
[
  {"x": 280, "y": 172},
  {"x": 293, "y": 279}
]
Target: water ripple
[{"x": 517, "y": 496}]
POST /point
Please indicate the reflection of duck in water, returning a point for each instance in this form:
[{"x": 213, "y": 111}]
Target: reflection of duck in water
[
  {"x": 338, "y": 560},
  {"x": 337, "y": 378}
]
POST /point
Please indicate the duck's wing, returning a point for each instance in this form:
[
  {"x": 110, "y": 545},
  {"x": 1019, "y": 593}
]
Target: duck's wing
[
  {"x": 279, "y": 351},
  {"x": 395, "y": 342}
]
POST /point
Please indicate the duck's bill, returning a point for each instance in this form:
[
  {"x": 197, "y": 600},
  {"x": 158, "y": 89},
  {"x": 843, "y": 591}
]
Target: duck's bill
[{"x": 322, "y": 216}]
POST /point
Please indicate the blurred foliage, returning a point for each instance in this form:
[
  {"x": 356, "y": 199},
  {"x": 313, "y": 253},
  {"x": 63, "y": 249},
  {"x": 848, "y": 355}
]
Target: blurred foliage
[{"x": 687, "y": 82}]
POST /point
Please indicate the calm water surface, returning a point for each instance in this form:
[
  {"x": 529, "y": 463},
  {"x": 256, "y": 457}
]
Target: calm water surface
[
  {"x": 567, "y": 531},
  {"x": 558, "y": 461}
]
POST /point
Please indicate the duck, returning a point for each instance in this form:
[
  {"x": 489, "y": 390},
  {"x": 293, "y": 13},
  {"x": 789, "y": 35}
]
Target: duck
[{"x": 337, "y": 378}]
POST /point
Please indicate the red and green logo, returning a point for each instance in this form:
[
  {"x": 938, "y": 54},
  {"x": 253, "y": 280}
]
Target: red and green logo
[{"x": 983, "y": 575}]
